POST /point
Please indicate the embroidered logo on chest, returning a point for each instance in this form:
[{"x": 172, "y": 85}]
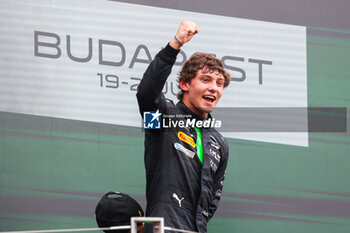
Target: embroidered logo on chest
[
  {"x": 214, "y": 142},
  {"x": 181, "y": 148},
  {"x": 178, "y": 199},
  {"x": 215, "y": 154},
  {"x": 184, "y": 137},
  {"x": 213, "y": 166}
]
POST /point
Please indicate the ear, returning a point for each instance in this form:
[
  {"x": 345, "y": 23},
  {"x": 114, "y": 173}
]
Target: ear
[{"x": 184, "y": 85}]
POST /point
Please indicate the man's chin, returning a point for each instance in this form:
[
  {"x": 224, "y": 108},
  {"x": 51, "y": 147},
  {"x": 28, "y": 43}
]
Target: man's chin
[{"x": 207, "y": 109}]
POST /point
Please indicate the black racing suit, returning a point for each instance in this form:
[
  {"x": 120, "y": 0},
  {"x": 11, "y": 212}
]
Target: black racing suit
[{"x": 179, "y": 187}]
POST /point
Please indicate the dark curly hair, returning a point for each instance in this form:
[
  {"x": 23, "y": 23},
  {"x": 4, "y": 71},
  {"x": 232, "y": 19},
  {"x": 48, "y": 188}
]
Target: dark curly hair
[{"x": 197, "y": 62}]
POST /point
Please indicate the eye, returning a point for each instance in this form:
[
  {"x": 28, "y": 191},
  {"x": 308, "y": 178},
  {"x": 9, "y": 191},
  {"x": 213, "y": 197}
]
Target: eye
[
  {"x": 221, "y": 83},
  {"x": 205, "y": 79}
]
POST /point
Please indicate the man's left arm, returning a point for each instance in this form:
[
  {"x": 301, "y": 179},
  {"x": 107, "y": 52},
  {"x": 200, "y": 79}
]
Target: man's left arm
[{"x": 218, "y": 185}]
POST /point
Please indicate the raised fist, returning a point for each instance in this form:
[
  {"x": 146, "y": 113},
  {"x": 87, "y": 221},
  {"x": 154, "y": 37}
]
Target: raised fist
[{"x": 185, "y": 32}]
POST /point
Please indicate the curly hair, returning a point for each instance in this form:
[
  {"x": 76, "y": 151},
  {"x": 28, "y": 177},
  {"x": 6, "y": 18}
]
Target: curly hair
[{"x": 200, "y": 61}]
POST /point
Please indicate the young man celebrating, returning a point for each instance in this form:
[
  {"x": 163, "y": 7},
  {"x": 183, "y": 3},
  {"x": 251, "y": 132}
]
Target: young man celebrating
[{"x": 185, "y": 166}]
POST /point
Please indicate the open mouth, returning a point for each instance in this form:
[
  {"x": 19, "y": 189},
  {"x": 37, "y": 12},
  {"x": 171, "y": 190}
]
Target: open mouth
[{"x": 209, "y": 98}]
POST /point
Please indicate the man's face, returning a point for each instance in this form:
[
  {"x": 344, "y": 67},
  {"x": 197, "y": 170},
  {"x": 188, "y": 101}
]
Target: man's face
[{"x": 203, "y": 92}]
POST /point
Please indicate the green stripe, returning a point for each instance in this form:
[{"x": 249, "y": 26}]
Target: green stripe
[{"x": 199, "y": 144}]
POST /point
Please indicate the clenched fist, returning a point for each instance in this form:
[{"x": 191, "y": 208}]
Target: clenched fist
[{"x": 185, "y": 32}]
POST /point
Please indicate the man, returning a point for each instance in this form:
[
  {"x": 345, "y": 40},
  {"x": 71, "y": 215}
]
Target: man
[
  {"x": 185, "y": 166},
  {"x": 116, "y": 209}
]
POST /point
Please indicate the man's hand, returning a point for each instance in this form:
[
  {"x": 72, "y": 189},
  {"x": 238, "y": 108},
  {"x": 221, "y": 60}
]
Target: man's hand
[{"x": 185, "y": 32}]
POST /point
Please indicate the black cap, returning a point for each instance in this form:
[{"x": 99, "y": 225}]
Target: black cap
[{"x": 116, "y": 209}]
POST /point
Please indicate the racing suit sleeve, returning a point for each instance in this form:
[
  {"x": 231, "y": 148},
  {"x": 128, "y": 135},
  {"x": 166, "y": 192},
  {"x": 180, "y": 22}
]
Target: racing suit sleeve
[
  {"x": 218, "y": 186},
  {"x": 149, "y": 92}
]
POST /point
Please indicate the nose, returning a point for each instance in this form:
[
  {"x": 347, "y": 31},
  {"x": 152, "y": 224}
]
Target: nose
[{"x": 213, "y": 87}]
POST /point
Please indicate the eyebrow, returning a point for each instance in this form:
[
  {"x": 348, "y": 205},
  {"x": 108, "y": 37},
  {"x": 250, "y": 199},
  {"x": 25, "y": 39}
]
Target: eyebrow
[{"x": 220, "y": 78}]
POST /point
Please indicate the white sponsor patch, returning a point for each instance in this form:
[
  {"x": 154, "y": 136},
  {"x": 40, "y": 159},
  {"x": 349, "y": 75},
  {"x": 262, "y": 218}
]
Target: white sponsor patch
[
  {"x": 213, "y": 166},
  {"x": 215, "y": 154},
  {"x": 186, "y": 151},
  {"x": 214, "y": 142}
]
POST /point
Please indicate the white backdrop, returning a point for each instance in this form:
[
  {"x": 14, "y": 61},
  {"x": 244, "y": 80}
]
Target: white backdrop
[{"x": 95, "y": 79}]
